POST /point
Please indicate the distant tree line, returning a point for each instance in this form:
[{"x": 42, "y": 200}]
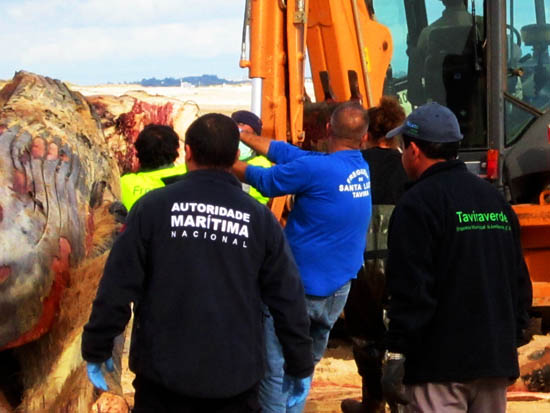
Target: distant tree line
[{"x": 203, "y": 80}]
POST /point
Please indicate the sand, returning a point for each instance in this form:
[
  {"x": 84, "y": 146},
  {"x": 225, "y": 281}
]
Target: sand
[
  {"x": 223, "y": 98},
  {"x": 336, "y": 379}
]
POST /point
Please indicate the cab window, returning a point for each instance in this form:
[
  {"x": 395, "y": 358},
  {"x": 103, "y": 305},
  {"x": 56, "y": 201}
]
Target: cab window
[
  {"x": 438, "y": 56},
  {"x": 528, "y": 65}
]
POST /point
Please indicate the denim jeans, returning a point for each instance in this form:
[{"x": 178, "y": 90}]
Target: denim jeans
[{"x": 323, "y": 313}]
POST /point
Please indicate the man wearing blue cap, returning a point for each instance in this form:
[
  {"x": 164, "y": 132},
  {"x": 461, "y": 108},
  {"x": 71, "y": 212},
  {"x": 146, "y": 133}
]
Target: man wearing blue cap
[{"x": 459, "y": 289}]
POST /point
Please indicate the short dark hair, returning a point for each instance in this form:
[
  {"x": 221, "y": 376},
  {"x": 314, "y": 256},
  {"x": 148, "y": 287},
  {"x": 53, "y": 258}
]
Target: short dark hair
[
  {"x": 157, "y": 145},
  {"x": 349, "y": 120},
  {"x": 434, "y": 150},
  {"x": 214, "y": 140}
]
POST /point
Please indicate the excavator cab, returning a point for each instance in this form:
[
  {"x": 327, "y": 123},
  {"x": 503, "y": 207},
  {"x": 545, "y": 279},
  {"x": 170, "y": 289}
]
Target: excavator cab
[
  {"x": 445, "y": 60},
  {"x": 488, "y": 62}
]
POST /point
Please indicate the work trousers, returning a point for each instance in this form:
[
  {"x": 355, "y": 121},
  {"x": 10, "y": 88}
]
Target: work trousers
[
  {"x": 487, "y": 395},
  {"x": 368, "y": 357},
  {"x": 323, "y": 313},
  {"x": 365, "y": 324},
  {"x": 151, "y": 397}
]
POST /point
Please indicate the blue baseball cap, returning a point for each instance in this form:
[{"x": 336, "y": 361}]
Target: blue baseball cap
[{"x": 431, "y": 122}]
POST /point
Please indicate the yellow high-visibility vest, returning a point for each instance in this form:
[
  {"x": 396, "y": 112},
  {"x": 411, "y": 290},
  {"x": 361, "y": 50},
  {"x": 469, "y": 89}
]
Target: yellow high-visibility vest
[
  {"x": 135, "y": 185},
  {"x": 253, "y": 192}
]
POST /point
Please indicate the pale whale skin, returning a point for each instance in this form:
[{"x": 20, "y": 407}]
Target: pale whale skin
[{"x": 55, "y": 167}]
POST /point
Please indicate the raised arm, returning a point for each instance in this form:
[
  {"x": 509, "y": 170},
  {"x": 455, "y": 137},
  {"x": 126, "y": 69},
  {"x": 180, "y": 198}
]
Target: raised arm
[
  {"x": 239, "y": 169},
  {"x": 259, "y": 143}
]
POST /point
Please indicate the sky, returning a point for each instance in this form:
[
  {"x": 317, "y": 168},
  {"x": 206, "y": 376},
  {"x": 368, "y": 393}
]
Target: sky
[{"x": 90, "y": 42}]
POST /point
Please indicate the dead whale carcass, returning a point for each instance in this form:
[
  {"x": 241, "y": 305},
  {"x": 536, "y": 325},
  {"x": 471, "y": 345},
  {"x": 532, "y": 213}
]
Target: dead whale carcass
[
  {"x": 55, "y": 167},
  {"x": 123, "y": 117}
]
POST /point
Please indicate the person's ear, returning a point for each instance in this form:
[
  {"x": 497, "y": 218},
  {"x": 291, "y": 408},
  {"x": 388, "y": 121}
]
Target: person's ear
[
  {"x": 415, "y": 150},
  {"x": 365, "y": 138},
  {"x": 188, "y": 153}
]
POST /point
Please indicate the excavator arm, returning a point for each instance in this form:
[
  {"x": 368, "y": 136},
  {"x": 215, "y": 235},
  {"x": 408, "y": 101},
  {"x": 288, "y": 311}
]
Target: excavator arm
[{"x": 349, "y": 54}]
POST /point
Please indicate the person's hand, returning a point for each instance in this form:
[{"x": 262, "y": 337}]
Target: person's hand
[
  {"x": 393, "y": 371},
  {"x": 297, "y": 389},
  {"x": 245, "y": 133},
  {"x": 96, "y": 375}
]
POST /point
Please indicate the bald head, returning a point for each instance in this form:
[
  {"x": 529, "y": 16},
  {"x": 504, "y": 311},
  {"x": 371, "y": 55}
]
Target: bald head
[{"x": 349, "y": 121}]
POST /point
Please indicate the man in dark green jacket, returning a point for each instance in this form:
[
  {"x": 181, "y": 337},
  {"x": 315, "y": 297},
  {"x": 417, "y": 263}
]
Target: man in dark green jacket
[{"x": 458, "y": 284}]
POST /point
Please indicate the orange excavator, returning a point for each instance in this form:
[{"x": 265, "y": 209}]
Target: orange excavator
[{"x": 491, "y": 67}]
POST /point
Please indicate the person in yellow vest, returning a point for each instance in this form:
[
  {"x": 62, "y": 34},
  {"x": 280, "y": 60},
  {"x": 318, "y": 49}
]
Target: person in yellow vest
[
  {"x": 157, "y": 149},
  {"x": 248, "y": 121}
]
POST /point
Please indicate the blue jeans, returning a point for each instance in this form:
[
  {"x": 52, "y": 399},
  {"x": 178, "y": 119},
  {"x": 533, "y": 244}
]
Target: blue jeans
[{"x": 323, "y": 313}]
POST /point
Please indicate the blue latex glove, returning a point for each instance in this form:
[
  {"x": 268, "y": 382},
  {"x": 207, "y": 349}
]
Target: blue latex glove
[
  {"x": 297, "y": 389},
  {"x": 96, "y": 375}
]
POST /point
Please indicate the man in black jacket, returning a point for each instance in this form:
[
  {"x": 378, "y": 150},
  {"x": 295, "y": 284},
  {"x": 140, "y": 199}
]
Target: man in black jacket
[
  {"x": 197, "y": 259},
  {"x": 460, "y": 291}
]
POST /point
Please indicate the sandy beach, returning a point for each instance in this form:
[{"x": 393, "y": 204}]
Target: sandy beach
[
  {"x": 221, "y": 98},
  {"x": 224, "y": 99}
]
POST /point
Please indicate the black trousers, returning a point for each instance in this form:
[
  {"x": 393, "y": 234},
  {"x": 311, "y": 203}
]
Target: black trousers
[
  {"x": 150, "y": 397},
  {"x": 365, "y": 324}
]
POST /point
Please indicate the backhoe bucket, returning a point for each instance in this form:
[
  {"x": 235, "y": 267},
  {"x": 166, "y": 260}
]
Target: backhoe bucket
[{"x": 534, "y": 221}]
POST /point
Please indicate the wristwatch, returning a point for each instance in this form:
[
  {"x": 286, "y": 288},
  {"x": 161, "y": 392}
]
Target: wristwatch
[{"x": 388, "y": 355}]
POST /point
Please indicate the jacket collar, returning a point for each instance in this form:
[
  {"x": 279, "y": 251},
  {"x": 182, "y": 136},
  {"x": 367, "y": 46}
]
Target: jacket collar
[
  {"x": 213, "y": 174},
  {"x": 439, "y": 167}
]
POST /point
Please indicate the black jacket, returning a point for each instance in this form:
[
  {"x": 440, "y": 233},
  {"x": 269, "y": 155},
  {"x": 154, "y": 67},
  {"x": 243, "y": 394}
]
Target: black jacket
[
  {"x": 198, "y": 258},
  {"x": 459, "y": 287},
  {"x": 363, "y": 311},
  {"x": 388, "y": 177}
]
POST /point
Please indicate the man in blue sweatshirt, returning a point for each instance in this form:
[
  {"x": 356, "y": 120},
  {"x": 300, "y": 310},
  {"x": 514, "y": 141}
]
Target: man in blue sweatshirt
[{"x": 326, "y": 228}]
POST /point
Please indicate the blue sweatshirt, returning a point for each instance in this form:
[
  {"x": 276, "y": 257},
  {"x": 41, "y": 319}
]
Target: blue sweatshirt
[{"x": 328, "y": 224}]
